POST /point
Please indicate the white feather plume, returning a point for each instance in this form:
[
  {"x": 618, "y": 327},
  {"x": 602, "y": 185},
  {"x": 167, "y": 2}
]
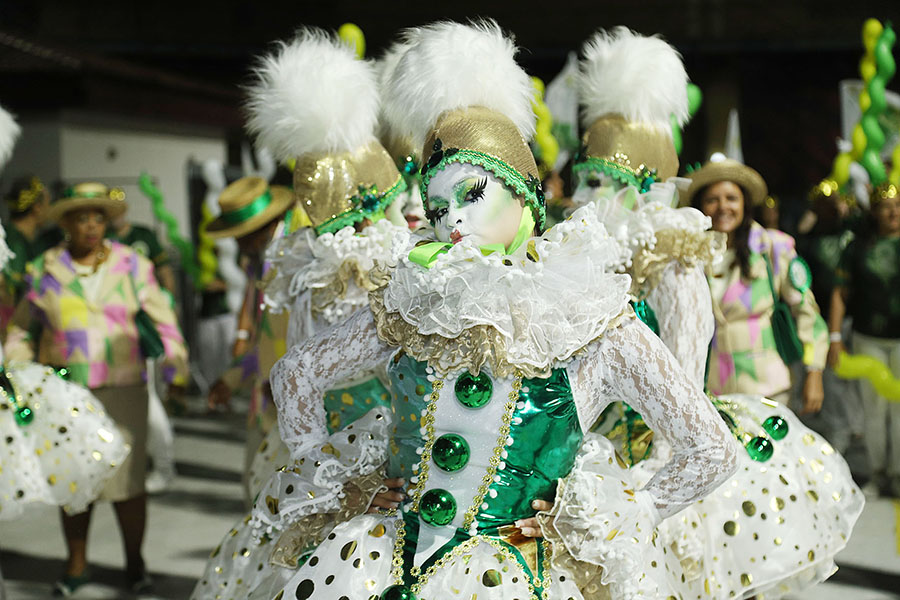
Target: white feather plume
[
  {"x": 450, "y": 66},
  {"x": 9, "y": 133},
  {"x": 384, "y": 68},
  {"x": 639, "y": 77},
  {"x": 312, "y": 95}
]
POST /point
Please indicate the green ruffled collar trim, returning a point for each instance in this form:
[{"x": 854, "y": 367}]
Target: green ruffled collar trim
[
  {"x": 368, "y": 204},
  {"x": 529, "y": 188}
]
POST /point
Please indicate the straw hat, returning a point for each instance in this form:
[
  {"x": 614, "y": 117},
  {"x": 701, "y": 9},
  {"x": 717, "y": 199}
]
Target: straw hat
[
  {"x": 728, "y": 170},
  {"x": 247, "y": 205},
  {"x": 89, "y": 195}
]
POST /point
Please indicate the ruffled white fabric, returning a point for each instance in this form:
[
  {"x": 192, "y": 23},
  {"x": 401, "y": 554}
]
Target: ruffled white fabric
[
  {"x": 304, "y": 262},
  {"x": 773, "y": 528},
  {"x": 315, "y": 484},
  {"x": 65, "y": 455},
  {"x": 519, "y": 295},
  {"x": 602, "y": 520},
  {"x": 635, "y": 229}
]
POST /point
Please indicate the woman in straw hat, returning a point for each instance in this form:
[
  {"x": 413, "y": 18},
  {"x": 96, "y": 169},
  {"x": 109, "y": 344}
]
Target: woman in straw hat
[
  {"x": 761, "y": 268},
  {"x": 502, "y": 349},
  {"x": 81, "y": 313}
]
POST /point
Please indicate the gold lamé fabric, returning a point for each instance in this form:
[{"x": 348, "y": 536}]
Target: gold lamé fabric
[
  {"x": 642, "y": 144},
  {"x": 325, "y": 183},
  {"x": 483, "y": 130},
  {"x": 689, "y": 249},
  {"x": 310, "y": 531}
]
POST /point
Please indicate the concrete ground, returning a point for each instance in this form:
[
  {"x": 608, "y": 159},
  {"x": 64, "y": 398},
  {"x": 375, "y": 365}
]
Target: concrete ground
[{"x": 188, "y": 520}]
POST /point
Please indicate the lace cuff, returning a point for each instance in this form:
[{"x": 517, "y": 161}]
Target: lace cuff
[
  {"x": 601, "y": 528},
  {"x": 308, "y": 532},
  {"x": 323, "y": 480}
]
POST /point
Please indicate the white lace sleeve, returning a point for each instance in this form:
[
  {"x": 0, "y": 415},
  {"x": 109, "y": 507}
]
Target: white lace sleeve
[
  {"x": 303, "y": 375},
  {"x": 683, "y": 307},
  {"x": 631, "y": 364}
]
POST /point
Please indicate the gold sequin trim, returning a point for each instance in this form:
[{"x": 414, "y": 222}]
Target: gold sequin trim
[
  {"x": 428, "y": 424},
  {"x": 689, "y": 249}
]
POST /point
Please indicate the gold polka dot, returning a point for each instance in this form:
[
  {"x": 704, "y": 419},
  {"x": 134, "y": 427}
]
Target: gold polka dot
[
  {"x": 731, "y": 528},
  {"x": 812, "y": 495},
  {"x": 749, "y": 508},
  {"x": 348, "y": 549},
  {"x": 746, "y": 579},
  {"x": 491, "y": 578},
  {"x": 374, "y": 555},
  {"x": 370, "y": 584},
  {"x": 377, "y": 531},
  {"x": 778, "y": 541},
  {"x": 314, "y": 561},
  {"x": 811, "y": 555},
  {"x": 836, "y": 496},
  {"x": 777, "y": 504}
]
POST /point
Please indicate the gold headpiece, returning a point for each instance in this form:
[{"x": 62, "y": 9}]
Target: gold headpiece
[
  {"x": 631, "y": 147},
  {"x": 27, "y": 197},
  {"x": 341, "y": 189}
]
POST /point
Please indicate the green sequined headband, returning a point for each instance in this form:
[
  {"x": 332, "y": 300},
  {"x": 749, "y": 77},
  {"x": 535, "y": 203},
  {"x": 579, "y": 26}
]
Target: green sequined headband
[
  {"x": 642, "y": 178},
  {"x": 368, "y": 203},
  {"x": 529, "y": 188}
]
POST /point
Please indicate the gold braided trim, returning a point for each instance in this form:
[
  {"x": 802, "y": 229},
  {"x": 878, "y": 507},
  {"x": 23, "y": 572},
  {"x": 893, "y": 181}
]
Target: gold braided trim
[
  {"x": 689, "y": 249},
  {"x": 473, "y": 349},
  {"x": 309, "y": 531},
  {"x": 350, "y": 271}
]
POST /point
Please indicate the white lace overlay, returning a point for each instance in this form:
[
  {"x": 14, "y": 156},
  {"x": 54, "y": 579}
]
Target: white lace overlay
[
  {"x": 628, "y": 363},
  {"x": 318, "y": 277},
  {"x": 683, "y": 308},
  {"x": 550, "y": 298}
]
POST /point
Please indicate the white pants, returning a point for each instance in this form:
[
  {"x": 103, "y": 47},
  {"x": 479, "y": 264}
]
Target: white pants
[
  {"x": 882, "y": 426},
  {"x": 160, "y": 436}
]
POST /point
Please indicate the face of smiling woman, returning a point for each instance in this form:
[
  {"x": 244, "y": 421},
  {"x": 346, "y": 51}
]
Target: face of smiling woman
[{"x": 468, "y": 202}]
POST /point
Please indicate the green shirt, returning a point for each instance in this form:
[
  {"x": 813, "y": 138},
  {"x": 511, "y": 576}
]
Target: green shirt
[
  {"x": 870, "y": 270},
  {"x": 144, "y": 242},
  {"x": 25, "y": 251}
]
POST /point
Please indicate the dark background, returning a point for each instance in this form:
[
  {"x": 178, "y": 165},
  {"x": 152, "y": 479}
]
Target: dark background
[{"x": 779, "y": 63}]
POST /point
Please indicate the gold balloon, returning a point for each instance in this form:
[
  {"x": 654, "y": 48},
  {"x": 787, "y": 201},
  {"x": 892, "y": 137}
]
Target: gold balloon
[
  {"x": 859, "y": 142},
  {"x": 353, "y": 35},
  {"x": 840, "y": 169},
  {"x": 872, "y": 30}
]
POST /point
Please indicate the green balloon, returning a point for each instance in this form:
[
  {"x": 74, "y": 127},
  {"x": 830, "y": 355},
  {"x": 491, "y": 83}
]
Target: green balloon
[
  {"x": 695, "y": 98},
  {"x": 873, "y": 165},
  {"x": 676, "y": 135}
]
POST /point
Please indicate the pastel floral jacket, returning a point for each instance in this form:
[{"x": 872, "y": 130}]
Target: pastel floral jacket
[
  {"x": 743, "y": 356},
  {"x": 97, "y": 342}
]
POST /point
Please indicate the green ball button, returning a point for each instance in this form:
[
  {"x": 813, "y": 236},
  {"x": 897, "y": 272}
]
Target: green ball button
[
  {"x": 397, "y": 592},
  {"x": 437, "y": 507},
  {"x": 24, "y": 416},
  {"x": 472, "y": 391},
  {"x": 776, "y": 427},
  {"x": 760, "y": 448},
  {"x": 450, "y": 452}
]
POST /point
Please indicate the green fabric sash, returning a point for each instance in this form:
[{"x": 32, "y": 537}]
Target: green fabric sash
[{"x": 256, "y": 206}]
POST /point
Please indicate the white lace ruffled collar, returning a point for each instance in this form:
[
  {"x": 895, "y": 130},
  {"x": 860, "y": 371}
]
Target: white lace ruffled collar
[
  {"x": 303, "y": 261},
  {"x": 551, "y": 297},
  {"x": 636, "y": 229}
]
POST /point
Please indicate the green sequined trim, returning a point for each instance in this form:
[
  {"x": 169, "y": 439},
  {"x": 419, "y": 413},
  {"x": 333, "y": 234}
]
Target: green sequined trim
[
  {"x": 510, "y": 176},
  {"x": 617, "y": 171},
  {"x": 351, "y": 216}
]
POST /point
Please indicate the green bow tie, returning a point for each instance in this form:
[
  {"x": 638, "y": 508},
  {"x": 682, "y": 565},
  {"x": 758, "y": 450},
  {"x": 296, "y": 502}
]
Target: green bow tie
[{"x": 426, "y": 254}]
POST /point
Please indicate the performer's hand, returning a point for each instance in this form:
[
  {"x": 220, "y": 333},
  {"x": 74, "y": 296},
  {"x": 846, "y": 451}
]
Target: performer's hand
[
  {"x": 813, "y": 393},
  {"x": 389, "y": 499},
  {"x": 530, "y": 527},
  {"x": 834, "y": 353},
  {"x": 219, "y": 395}
]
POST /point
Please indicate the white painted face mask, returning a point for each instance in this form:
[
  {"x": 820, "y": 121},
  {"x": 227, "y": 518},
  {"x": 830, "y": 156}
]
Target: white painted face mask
[{"x": 467, "y": 202}]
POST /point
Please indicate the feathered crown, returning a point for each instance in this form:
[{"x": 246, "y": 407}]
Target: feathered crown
[
  {"x": 458, "y": 94},
  {"x": 392, "y": 130},
  {"x": 312, "y": 100},
  {"x": 630, "y": 87},
  {"x": 9, "y": 133}
]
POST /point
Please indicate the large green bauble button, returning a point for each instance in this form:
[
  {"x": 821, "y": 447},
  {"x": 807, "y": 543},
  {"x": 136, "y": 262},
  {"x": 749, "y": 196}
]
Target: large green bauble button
[
  {"x": 397, "y": 592},
  {"x": 24, "y": 416},
  {"x": 437, "y": 507},
  {"x": 776, "y": 427},
  {"x": 760, "y": 448},
  {"x": 472, "y": 391},
  {"x": 450, "y": 452}
]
